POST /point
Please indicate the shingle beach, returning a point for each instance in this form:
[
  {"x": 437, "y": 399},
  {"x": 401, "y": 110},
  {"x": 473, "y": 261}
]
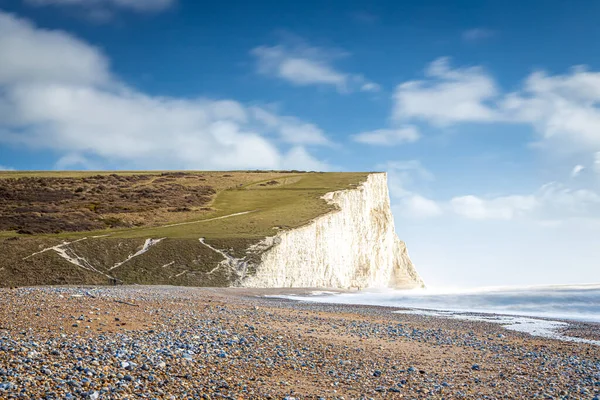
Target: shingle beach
[{"x": 186, "y": 343}]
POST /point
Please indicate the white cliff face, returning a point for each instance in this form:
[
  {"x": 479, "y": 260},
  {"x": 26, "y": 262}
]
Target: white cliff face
[{"x": 355, "y": 246}]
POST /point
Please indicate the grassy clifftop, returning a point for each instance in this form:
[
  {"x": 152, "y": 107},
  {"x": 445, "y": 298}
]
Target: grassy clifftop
[{"x": 105, "y": 218}]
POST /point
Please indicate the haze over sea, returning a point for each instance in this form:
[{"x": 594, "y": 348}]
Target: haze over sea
[{"x": 571, "y": 302}]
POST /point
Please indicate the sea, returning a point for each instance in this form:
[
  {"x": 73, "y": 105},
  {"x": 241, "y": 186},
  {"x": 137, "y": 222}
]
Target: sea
[{"x": 537, "y": 310}]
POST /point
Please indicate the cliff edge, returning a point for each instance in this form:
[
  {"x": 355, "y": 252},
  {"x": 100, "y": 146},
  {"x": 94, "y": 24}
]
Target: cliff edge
[{"x": 354, "y": 246}]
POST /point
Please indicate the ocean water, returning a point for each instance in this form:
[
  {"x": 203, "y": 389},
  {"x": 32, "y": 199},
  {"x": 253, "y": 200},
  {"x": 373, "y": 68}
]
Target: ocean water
[
  {"x": 575, "y": 302},
  {"x": 534, "y": 309}
]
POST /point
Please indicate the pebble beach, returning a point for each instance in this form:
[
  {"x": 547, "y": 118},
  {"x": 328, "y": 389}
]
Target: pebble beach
[{"x": 143, "y": 342}]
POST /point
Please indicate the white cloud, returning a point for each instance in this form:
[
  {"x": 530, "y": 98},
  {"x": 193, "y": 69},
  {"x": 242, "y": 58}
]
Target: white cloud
[
  {"x": 560, "y": 201},
  {"x": 402, "y": 174},
  {"x": 299, "y": 158},
  {"x": 290, "y": 129},
  {"x": 303, "y": 65},
  {"x": 136, "y": 5},
  {"x": 31, "y": 55},
  {"x": 299, "y": 69},
  {"x": 518, "y": 229},
  {"x": 577, "y": 170},
  {"x": 57, "y": 93},
  {"x": 496, "y": 240},
  {"x": 370, "y": 87},
  {"x": 76, "y": 161},
  {"x": 301, "y": 133},
  {"x": 447, "y": 96},
  {"x": 403, "y": 178},
  {"x": 417, "y": 206},
  {"x": 477, "y": 34},
  {"x": 563, "y": 109},
  {"x": 388, "y": 137},
  {"x": 306, "y": 72},
  {"x": 5, "y": 168},
  {"x": 507, "y": 207},
  {"x": 552, "y": 202}
]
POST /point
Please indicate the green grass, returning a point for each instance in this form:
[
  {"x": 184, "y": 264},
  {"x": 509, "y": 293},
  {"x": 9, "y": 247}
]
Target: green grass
[{"x": 286, "y": 206}]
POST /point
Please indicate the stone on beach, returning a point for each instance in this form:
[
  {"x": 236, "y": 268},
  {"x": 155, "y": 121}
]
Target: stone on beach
[{"x": 208, "y": 343}]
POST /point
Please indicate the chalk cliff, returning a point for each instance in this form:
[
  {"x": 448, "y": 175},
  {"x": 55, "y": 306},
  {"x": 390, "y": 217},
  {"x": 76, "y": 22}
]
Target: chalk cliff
[{"x": 354, "y": 246}]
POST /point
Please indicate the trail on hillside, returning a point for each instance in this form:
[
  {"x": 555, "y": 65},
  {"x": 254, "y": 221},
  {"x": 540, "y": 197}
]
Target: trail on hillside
[{"x": 207, "y": 220}]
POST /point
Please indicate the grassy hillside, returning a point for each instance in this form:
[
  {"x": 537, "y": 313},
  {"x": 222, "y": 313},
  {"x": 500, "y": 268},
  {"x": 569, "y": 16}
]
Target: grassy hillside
[{"x": 112, "y": 214}]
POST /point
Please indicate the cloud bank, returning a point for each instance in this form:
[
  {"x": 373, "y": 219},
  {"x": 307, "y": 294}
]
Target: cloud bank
[
  {"x": 58, "y": 93},
  {"x": 552, "y": 204},
  {"x": 564, "y": 110}
]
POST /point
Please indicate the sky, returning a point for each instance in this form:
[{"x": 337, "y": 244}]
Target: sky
[{"x": 485, "y": 114}]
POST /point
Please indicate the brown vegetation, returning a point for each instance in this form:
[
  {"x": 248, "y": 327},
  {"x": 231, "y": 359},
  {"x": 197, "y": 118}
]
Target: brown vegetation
[{"x": 31, "y": 205}]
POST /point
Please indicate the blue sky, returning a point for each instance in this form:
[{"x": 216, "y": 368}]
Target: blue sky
[{"x": 484, "y": 113}]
